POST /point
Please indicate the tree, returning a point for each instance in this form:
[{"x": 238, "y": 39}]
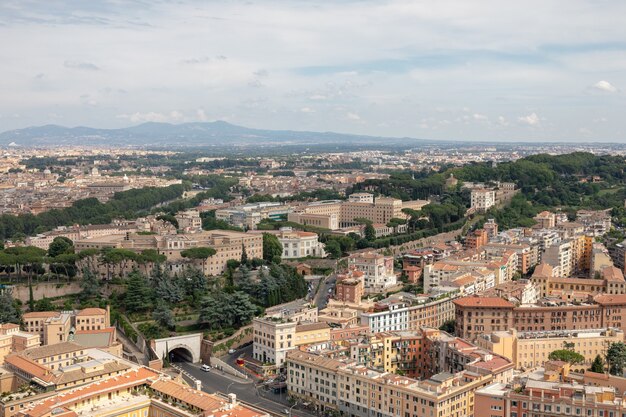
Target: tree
[
  {"x": 199, "y": 253},
  {"x": 448, "y": 326},
  {"x": 333, "y": 249},
  {"x": 137, "y": 297},
  {"x": 211, "y": 312},
  {"x": 164, "y": 316},
  {"x": 168, "y": 218},
  {"x": 244, "y": 255},
  {"x": 9, "y": 312},
  {"x": 272, "y": 249},
  {"x": 597, "y": 365},
  {"x": 241, "y": 308},
  {"x": 120, "y": 257},
  {"x": 90, "y": 285},
  {"x": 616, "y": 358},
  {"x": 44, "y": 304},
  {"x": 566, "y": 355},
  {"x": 60, "y": 245},
  {"x": 165, "y": 287},
  {"x": 31, "y": 298},
  {"x": 370, "y": 232}
]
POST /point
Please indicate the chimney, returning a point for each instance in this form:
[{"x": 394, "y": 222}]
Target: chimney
[
  {"x": 232, "y": 399},
  {"x": 198, "y": 385}
]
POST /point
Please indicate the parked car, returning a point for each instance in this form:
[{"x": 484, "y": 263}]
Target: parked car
[
  {"x": 205, "y": 367},
  {"x": 231, "y": 351}
]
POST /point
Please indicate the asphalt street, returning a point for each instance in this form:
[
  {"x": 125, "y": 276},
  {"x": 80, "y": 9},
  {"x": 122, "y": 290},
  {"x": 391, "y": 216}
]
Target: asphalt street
[
  {"x": 214, "y": 381},
  {"x": 321, "y": 297}
]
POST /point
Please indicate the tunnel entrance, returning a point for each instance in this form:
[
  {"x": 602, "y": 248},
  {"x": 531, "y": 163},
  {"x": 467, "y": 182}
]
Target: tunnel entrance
[{"x": 180, "y": 354}]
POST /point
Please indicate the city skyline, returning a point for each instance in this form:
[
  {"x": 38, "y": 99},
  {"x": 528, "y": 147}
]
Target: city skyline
[{"x": 448, "y": 71}]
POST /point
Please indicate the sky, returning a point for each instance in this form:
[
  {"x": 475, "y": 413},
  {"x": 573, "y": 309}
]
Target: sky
[{"x": 456, "y": 70}]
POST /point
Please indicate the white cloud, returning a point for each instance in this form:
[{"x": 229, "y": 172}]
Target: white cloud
[
  {"x": 502, "y": 121},
  {"x": 605, "y": 86},
  {"x": 201, "y": 115},
  {"x": 353, "y": 116},
  {"x": 171, "y": 117},
  {"x": 307, "y": 110},
  {"x": 530, "y": 120},
  {"x": 87, "y": 66},
  {"x": 480, "y": 117}
]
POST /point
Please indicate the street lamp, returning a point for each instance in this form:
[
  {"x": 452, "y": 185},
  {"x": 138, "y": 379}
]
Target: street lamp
[
  {"x": 228, "y": 388},
  {"x": 291, "y": 408}
]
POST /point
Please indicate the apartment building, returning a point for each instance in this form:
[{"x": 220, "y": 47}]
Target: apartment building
[
  {"x": 545, "y": 220},
  {"x": 559, "y": 256},
  {"x": 595, "y": 222},
  {"x": 550, "y": 391},
  {"x": 610, "y": 280},
  {"x": 599, "y": 260},
  {"x": 377, "y": 269},
  {"x": 527, "y": 255},
  {"x": 484, "y": 315},
  {"x": 12, "y": 340},
  {"x": 530, "y": 350},
  {"x": 55, "y": 327},
  {"x": 350, "y": 287},
  {"x": 335, "y": 214},
  {"x": 276, "y": 333},
  {"x": 476, "y": 239},
  {"x": 189, "y": 220},
  {"x": 503, "y": 266},
  {"x": 482, "y": 199},
  {"x": 404, "y": 311},
  {"x": 248, "y": 216},
  {"x": 356, "y": 390}
]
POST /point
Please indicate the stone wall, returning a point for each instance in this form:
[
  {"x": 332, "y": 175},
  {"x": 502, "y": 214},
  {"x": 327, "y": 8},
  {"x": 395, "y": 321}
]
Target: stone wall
[{"x": 45, "y": 289}]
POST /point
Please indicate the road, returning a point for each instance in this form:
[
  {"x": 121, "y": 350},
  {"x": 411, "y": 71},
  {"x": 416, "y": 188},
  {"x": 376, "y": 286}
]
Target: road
[
  {"x": 321, "y": 296},
  {"x": 246, "y": 391}
]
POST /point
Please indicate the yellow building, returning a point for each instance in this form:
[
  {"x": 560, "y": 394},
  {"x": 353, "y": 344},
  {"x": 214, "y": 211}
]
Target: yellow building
[
  {"x": 55, "y": 327},
  {"x": 333, "y": 385},
  {"x": 13, "y": 340},
  {"x": 531, "y": 349},
  {"x": 310, "y": 333}
]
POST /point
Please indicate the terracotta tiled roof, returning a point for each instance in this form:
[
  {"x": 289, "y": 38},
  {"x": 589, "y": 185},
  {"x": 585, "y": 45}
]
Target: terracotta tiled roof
[
  {"x": 28, "y": 366},
  {"x": 607, "y": 299},
  {"x": 132, "y": 378},
  {"x": 311, "y": 326},
  {"x": 613, "y": 274},
  {"x": 52, "y": 350},
  {"x": 482, "y": 302},
  {"x": 92, "y": 311},
  {"x": 199, "y": 399},
  {"x": 41, "y": 314}
]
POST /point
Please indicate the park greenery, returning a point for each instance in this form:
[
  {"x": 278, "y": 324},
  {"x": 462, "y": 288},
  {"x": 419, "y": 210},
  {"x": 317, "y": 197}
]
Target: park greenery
[
  {"x": 126, "y": 204},
  {"x": 566, "y": 355}
]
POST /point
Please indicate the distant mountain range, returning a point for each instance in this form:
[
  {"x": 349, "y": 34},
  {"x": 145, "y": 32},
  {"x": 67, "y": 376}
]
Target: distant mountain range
[{"x": 186, "y": 134}]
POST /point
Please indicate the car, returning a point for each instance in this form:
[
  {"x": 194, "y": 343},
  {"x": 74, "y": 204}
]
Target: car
[
  {"x": 231, "y": 351},
  {"x": 205, "y": 367}
]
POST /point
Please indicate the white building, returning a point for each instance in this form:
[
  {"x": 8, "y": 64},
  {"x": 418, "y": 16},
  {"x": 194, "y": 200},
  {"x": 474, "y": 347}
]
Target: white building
[
  {"x": 483, "y": 199},
  {"x": 559, "y": 257},
  {"x": 189, "y": 220},
  {"x": 361, "y": 198},
  {"x": 377, "y": 270},
  {"x": 275, "y": 334},
  {"x": 298, "y": 244}
]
